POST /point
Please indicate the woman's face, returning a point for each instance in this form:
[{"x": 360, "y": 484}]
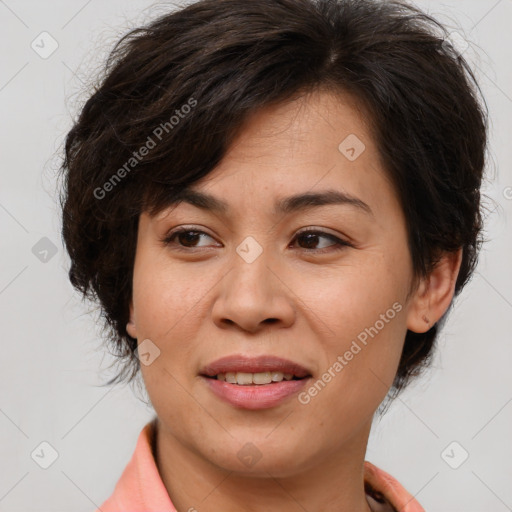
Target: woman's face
[{"x": 251, "y": 284}]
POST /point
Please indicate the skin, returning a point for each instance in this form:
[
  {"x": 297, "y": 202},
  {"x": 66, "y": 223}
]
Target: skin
[{"x": 206, "y": 302}]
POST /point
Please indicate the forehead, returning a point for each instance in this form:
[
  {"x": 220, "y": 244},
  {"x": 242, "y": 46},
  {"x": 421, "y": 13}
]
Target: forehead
[
  {"x": 300, "y": 126},
  {"x": 307, "y": 145}
]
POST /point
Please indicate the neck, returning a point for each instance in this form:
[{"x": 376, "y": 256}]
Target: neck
[{"x": 334, "y": 482}]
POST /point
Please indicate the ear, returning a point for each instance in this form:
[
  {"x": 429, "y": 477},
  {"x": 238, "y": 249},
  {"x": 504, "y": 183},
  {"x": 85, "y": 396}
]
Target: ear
[
  {"x": 434, "y": 293},
  {"x": 130, "y": 326}
]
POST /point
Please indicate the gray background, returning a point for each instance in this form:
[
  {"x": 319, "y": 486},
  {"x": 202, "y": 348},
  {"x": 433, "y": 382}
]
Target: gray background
[{"x": 53, "y": 360}]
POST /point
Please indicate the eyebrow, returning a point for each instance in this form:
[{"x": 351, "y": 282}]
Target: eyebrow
[{"x": 287, "y": 205}]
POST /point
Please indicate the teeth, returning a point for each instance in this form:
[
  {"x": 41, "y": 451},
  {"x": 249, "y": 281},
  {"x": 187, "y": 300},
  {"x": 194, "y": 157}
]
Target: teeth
[
  {"x": 260, "y": 378},
  {"x": 245, "y": 379}
]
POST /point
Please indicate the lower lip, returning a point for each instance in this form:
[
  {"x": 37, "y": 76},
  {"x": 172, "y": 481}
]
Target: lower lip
[{"x": 255, "y": 396}]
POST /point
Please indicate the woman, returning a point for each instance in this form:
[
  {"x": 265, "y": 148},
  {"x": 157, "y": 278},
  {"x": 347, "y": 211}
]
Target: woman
[{"x": 275, "y": 203}]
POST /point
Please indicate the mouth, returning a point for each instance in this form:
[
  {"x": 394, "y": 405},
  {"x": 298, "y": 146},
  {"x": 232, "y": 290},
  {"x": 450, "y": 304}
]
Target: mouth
[
  {"x": 257, "y": 379},
  {"x": 260, "y": 370},
  {"x": 255, "y": 383},
  {"x": 255, "y": 390}
]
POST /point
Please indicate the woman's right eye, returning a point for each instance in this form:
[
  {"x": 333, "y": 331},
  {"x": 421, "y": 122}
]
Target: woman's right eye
[{"x": 186, "y": 238}]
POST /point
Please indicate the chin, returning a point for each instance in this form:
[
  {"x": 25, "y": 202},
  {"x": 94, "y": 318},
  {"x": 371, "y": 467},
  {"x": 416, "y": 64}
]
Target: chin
[{"x": 258, "y": 456}]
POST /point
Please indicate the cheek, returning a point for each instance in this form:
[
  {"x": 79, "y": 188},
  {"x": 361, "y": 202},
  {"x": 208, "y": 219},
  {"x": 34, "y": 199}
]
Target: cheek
[
  {"x": 358, "y": 313},
  {"x": 352, "y": 297},
  {"x": 167, "y": 303},
  {"x": 360, "y": 351},
  {"x": 170, "y": 310},
  {"x": 165, "y": 297}
]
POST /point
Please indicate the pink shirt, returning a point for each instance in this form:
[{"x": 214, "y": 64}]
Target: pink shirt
[{"x": 140, "y": 488}]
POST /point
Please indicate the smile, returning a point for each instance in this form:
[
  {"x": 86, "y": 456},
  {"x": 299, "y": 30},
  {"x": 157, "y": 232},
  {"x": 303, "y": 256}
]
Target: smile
[
  {"x": 260, "y": 378},
  {"x": 255, "y": 396}
]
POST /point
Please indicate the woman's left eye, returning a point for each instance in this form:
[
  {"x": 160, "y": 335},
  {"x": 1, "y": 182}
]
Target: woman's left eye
[
  {"x": 188, "y": 237},
  {"x": 311, "y": 235}
]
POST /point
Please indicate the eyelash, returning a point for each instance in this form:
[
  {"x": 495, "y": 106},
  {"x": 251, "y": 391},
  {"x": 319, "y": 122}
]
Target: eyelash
[{"x": 338, "y": 246}]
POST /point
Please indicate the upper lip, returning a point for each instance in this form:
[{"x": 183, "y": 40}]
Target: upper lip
[{"x": 241, "y": 363}]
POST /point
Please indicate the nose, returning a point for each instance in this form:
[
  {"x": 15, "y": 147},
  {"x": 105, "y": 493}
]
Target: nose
[{"x": 254, "y": 295}]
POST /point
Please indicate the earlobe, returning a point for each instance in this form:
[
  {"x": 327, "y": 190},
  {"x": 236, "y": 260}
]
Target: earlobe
[
  {"x": 130, "y": 326},
  {"x": 435, "y": 293}
]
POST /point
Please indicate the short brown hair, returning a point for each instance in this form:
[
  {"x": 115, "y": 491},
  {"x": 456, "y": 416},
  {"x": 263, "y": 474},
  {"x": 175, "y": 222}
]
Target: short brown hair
[{"x": 199, "y": 72}]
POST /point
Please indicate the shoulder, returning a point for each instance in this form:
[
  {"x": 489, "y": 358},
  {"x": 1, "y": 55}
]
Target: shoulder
[{"x": 386, "y": 493}]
